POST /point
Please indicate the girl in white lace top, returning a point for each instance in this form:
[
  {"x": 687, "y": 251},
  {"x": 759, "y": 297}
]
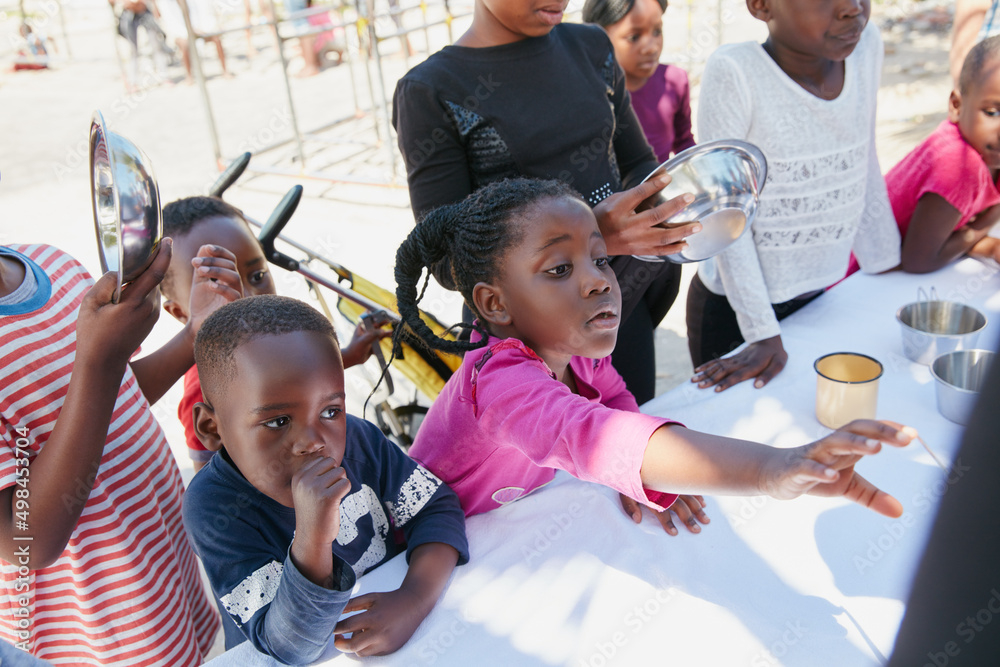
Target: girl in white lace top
[{"x": 806, "y": 97}]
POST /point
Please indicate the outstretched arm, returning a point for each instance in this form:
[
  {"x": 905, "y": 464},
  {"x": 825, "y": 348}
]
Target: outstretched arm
[{"x": 684, "y": 461}]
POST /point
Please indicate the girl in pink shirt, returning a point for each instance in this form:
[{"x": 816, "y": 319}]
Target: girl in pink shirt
[{"x": 536, "y": 391}]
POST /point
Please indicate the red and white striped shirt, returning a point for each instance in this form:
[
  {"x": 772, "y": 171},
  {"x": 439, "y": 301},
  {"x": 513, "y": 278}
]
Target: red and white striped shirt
[{"x": 126, "y": 591}]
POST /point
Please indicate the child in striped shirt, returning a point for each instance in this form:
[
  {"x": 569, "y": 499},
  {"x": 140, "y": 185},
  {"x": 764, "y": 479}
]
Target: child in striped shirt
[{"x": 95, "y": 564}]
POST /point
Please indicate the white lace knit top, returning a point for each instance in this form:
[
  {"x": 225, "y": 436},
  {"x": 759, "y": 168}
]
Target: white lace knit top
[{"x": 824, "y": 194}]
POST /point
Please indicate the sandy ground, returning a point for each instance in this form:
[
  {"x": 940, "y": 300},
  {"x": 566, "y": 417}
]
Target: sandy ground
[{"x": 361, "y": 212}]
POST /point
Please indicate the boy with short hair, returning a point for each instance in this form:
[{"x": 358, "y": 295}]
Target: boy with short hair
[
  {"x": 945, "y": 192},
  {"x": 194, "y": 222},
  {"x": 302, "y": 498}
]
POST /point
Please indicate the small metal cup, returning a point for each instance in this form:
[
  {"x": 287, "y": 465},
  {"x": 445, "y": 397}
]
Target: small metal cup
[
  {"x": 959, "y": 377},
  {"x": 846, "y": 388},
  {"x": 933, "y": 328}
]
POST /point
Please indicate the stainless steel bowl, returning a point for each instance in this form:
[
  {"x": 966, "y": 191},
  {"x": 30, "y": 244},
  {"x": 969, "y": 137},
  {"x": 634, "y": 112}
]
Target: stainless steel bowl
[
  {"x": 726, "y": 178},
  {"x": 933, "y": 328},
  {"x": 126, "y": 200},
  {"x": 959, "y": 377}
]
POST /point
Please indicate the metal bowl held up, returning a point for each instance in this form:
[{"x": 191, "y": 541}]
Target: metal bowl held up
[
  {"x": 126, "y": 200},
  {"x": 933, "y": 328},
  {"x": 959, "y": 377},
  {"x": 726, "y": 178}
]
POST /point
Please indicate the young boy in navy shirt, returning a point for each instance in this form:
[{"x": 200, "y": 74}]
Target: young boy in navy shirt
[{"x": 304, "y": 498}]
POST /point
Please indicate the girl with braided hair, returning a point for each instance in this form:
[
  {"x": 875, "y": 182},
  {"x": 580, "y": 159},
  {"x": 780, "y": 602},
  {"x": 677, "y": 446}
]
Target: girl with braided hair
[
  {"x": 523, "y": 94},
  {"x": 536, "y": 391}
]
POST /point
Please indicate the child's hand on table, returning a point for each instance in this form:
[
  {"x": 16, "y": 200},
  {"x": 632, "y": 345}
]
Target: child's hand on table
[
  {"x": 761, "y": 360},
  {"x": 826, "y": 467},
  {"x": 388, "y": 620},
  {"x": 628, "y": 231},
  {"x": 689, "y": 509},
  {"x": 216, "y": 282}
]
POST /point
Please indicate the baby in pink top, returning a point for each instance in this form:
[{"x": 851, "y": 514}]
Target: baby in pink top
[{"x": 536, "y": 391}]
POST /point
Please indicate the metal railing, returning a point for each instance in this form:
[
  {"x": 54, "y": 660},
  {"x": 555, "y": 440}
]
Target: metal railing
[{"x": 362, "y": 47}]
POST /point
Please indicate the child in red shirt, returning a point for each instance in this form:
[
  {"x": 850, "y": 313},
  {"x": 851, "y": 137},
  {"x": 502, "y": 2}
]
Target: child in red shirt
[{"x": 195, "y": 223}]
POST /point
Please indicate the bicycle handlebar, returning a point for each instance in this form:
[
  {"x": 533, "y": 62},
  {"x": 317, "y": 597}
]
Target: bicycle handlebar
[
  {"x": 279, "y": 218},
  {"x": 230, "y": 175}
]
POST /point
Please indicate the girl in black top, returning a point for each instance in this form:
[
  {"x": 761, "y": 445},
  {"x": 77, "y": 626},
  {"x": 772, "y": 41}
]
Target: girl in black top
[{"x": 522, "y": 94}]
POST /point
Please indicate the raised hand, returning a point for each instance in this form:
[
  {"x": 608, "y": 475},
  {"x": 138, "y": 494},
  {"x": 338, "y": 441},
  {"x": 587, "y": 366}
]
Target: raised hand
[
  {"x": 360, "y": 347},
  {"x": 113, "y": 331},
  {"x": 216, "y": 282}
]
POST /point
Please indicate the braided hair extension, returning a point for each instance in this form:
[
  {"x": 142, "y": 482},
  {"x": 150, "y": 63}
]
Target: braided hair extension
[{"x": 474, "y": 234}]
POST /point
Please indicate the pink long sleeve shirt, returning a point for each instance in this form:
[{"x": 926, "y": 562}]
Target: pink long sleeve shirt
[{"x": 504, "y": 424}]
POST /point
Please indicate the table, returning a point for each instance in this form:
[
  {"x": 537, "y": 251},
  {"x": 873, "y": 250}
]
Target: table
[{"x": 562, "y": 577}]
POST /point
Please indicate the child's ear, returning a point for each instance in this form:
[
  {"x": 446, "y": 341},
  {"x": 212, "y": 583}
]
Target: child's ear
[
  {"x": 174, "y": 309},
  {"x": 760, "y": 9},
  {"x": 206, "y": 427},
  {"x": 488, "y": 301},
  {"x": 954, "y": 105}
]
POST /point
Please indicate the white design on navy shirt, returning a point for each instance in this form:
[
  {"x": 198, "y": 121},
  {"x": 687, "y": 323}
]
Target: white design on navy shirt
[{"x": 353, "y": 507}]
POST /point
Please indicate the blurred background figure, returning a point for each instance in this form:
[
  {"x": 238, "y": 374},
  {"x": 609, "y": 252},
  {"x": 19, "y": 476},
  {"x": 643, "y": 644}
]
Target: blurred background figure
[
  {"x": 975, "y": 20},
  {"x": 204, "y": 21},
  {"x": 34, "y": 53},
  {"x": 132, "y": 15}
]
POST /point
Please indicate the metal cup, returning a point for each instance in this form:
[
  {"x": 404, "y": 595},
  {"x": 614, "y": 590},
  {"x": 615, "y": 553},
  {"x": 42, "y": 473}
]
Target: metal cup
[
  {"x": 933, "y": 328},
  {"x": 846, "y": 388},
  {"x": 959, "y": 377}
]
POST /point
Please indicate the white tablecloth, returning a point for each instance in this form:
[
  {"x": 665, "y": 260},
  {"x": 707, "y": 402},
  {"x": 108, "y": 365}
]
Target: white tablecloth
[{"x": 562, "y": 577}]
